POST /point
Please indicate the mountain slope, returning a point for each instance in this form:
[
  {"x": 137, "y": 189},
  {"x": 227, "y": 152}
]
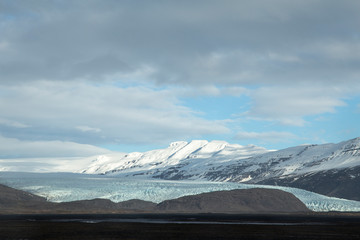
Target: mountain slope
[
  {"x": 341, "y": 183},
  {"x": 293, "y": 161}
]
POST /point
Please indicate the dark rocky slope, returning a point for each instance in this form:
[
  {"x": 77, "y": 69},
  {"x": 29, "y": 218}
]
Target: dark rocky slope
[
  {"x": 341, "y": 183},
  {"x": 13, "y": 200}
]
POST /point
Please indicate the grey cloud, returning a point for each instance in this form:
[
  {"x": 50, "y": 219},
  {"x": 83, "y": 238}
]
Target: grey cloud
[
  {"x": 90, "y": 39},
  {"x": 12, "y": 124}
]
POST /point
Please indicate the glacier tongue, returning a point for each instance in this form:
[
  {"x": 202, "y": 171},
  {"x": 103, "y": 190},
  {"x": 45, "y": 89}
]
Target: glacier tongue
[{"x": 61, "y": 187}]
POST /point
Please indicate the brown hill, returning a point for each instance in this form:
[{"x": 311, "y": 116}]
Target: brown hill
[
  {"x": 241, "y": 200},
  {"x": 136, "y": 204},
  {"x": 17, "y": 201}
]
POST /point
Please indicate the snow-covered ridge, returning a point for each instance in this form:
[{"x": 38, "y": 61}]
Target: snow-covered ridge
[
  {"x": 221, "y": 161},
  {"x": 176, "y": 153},
  {"x": 313, "y": 158}
]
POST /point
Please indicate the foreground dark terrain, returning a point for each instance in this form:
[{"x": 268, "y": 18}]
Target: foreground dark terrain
[
  {"x": 236, "y": 214},
  {"x": 175, "y": 226}
]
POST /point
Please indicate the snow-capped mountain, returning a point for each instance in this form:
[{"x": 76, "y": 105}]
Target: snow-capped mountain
[
  {"x": 304, "y": 166},
  {"x": 221, "y": 161},
  {"x": 330, "y": 169},
  {"x": 195, "y": 159}
]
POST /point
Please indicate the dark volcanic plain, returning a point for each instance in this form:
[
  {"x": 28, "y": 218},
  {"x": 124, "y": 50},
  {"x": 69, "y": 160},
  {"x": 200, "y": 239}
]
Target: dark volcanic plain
[
  {"x": 236, "y": 214},
  {"x": 180, "y": 226}
]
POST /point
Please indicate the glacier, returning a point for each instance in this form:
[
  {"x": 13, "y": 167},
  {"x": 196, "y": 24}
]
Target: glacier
[{"x": 64, "y": 187}]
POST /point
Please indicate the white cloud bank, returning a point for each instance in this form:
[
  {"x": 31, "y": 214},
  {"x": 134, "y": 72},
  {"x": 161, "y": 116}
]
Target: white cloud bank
[
  {"x": 289, "y": 105},
  {"x": 15, "y": 148}
]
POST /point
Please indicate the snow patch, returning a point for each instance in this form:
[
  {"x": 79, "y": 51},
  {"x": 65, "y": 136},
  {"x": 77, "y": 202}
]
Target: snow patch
[{"x": 246, "y": 179}]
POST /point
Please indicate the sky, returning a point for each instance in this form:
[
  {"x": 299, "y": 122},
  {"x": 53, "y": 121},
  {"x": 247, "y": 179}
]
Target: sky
[{"x": 86, "y": 77}]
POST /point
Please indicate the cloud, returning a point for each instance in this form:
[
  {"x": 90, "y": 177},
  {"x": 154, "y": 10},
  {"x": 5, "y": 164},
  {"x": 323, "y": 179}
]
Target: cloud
[
  {"x": 88, "y": 129},
  {"x": 15, "y": 148},
  {"x": 97, "y": 72},
  {"x": 93, "y": 114},
  {"x": 341, "y": 50},
  {"x": 273, "y": 137},
  {"x": 289, "y": 105},
  {"x": 14, "y": 124},
  {"x": 210, "y": 91}
]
